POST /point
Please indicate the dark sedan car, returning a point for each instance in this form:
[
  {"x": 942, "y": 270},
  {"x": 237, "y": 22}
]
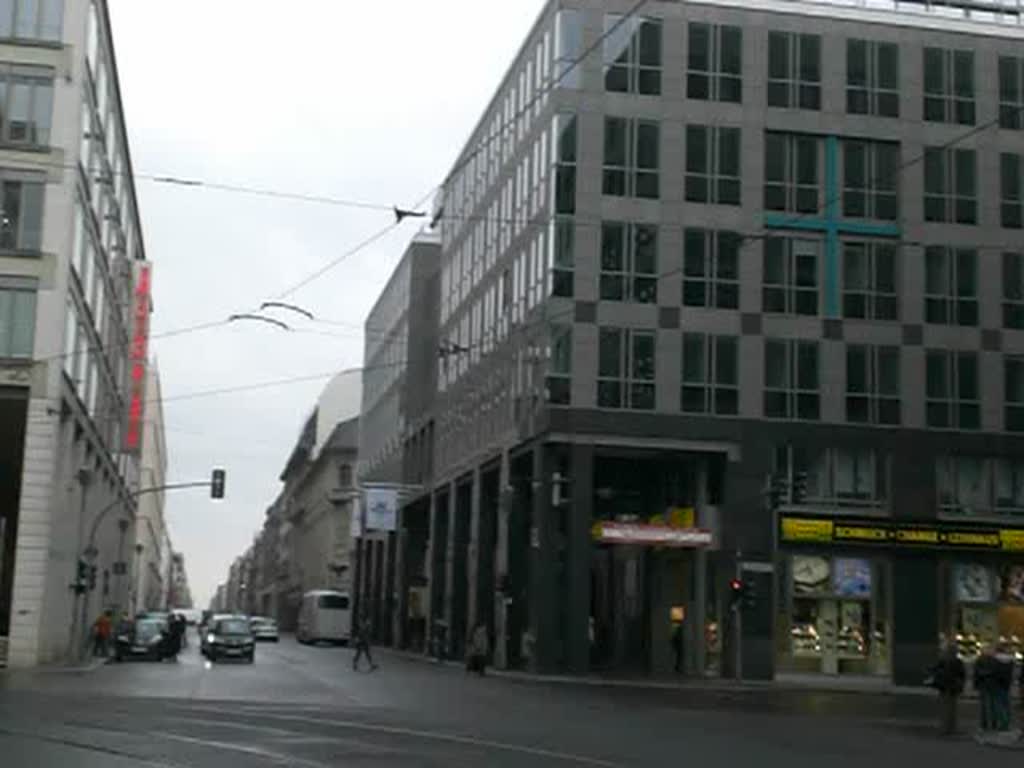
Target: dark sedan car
[
  {"x": 230, "y": 638},
  {"x": 141, "y": 640}
]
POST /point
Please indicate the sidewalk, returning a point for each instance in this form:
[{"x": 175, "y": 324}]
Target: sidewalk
[
  {"x": 85, "y": 667},
  {"x": 782, "y": 682}
]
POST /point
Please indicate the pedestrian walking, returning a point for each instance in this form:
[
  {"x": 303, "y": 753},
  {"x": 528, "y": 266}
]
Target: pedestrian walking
[
  {"x": 479, "y": 648},
  {"x": 947, "y": 677},
  {"x": 677, "y": 645},
  {"x": 363, "y": 644},
  {"x": 985, "y": 673},
  {"x": 1002, "y": 682},
  {"x": 101, "y": 630}
]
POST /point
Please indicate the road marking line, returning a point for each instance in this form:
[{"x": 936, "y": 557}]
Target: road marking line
[
  {"x": 86, "y": 747},
  {"x": 436, "y": 736},
  {"x": 248, "y": 750}
]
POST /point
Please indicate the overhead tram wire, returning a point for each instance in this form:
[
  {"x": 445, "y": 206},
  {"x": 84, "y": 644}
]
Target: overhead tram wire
[
  {"x": 323, "y": 270},
  {"x": 201, "y": 393},
  {"x": 194, "y": 183}
]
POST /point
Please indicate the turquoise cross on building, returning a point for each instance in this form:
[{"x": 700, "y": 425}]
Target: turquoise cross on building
[{"x": 833, "y": 225}]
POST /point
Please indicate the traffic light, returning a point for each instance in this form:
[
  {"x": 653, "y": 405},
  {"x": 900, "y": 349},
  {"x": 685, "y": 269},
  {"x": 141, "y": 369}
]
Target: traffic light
[
  {"x": 799, "y": 487},
  {"x": 92, "y": 577},
  {"x": 777, "y": 491},
  {"x": 736, "y": 591},
  {"x": 217, "y": 484},
  {"x": 81, "y": 577}
]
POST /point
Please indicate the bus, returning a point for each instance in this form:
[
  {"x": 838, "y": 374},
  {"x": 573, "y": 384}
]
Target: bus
[{"x": 325, "y": 615}]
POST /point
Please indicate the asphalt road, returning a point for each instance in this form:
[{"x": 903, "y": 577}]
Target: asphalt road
[{"x": 303, "y": 706}]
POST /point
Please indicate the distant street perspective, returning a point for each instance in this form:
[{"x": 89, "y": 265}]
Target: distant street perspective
[{"x": 304, "y": 706}]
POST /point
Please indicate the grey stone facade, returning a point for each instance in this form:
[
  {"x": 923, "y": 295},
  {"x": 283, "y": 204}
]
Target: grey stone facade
[{"x": 523, "y": 469}]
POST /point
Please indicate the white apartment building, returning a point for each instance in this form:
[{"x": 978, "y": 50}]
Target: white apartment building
[{"x": 74, "y": 310}]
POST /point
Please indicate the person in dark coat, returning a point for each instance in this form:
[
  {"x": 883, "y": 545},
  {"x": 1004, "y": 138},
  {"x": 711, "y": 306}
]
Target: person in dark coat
[
  {"x": 986, "y": 671},
  {"x": 948, "y": 676},
  {"x": 1001, "y": 684},
  {"x": 363, "y": 631}
]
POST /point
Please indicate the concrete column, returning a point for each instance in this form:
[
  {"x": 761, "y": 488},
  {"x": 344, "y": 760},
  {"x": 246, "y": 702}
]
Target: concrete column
[
  {"x": 696, "y": 611},
  {"x": 449, "y": 563},
  {"x": 401, "y": 579},
  {"x": 473, "y": 560},
  {"x": 544, "y": 592},
  {"x": 431, "y": 609},
  {"x": 577, "y": 586},
  {"x": 501, "y": 564}
]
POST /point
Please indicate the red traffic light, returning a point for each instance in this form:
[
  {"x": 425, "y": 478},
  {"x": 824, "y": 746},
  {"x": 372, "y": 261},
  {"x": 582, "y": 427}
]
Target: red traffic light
[{"x": 736, "y": 585}]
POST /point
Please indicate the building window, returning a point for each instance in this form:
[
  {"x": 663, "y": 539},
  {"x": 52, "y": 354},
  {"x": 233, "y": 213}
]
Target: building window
[
  {"x": 1014, "y": 393},
  {"x": 562, "y": 242},
  {"x": 870, "y": 180},
  {"x": 21, "y": 224},
  {"x": 872, "y": 384},
  {"x": 564, "y": 154},
  {"x": 17, "y": 317},
  {"x": 1011, "y": 92},
  {"x": 631, "y": 150},
  {"x": 710, "y": 380},
  {"x": 713, "y": 164},
  {"x": 951, "y": 285},
  {"x": 872, "y": 78},
  {"x": 948, "y": 86},
  {"x": 870, "y": 289},
  {"x": 980, "y": 486},
  {"x": 345, "y": 476},
  {"x": 952, "y": 396},
  {"x": 791, "y": 379},
  {"x": 1013, "y": 290},
  {"x": 790, "y": 276},
  {"x": 792, "y": 177},
  {"x": 26, "y": 104},
  {"x": 568, "y": 48},
  {"x": 632, "y": 55},
  {"x": 1010, "y": 185},
  {"x": 950, "y": 185},
  {"x": 715, "y": 63},
  {"x": 794, "y": 70},
  {"x": 629, "y": 262},
  {"x": 559, "y": 381},
  {"x": 31, "y": 19},
  {"x": 711, "y": 268},
  {"x": 848, "y": 479},
  {"x": 626, "y": 369}
]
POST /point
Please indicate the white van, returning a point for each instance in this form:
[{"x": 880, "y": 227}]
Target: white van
[{"x": 325, "y": 615}]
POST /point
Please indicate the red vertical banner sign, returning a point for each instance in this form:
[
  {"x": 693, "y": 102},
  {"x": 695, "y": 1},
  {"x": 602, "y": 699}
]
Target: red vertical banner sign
[{"x": 138, "y": 352}]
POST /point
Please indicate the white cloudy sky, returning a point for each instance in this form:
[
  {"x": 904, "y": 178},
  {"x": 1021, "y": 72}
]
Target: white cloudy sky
[{"x": 356, "y": 100}]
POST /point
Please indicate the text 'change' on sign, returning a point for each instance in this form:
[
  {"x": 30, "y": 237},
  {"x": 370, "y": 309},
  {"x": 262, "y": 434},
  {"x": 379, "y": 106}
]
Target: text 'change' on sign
[{"x": 801, "y": 530}]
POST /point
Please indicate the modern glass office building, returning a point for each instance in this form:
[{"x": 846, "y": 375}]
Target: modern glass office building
[{"x": 694, "y": 246}]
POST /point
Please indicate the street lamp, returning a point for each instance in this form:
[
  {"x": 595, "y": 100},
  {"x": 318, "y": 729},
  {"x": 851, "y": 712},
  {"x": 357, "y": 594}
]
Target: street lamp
[{"x": 78, "y": 585}]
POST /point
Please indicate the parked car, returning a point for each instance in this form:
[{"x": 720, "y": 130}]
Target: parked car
[
  {"x": 325, "y": 615},
  {"x": 142, "y": 639},
  {"x": 263, "y": 628},
  {"x": 230, "y": 637}
]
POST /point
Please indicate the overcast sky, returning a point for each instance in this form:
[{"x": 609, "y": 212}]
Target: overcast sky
[{"x": 368, "y": 101}]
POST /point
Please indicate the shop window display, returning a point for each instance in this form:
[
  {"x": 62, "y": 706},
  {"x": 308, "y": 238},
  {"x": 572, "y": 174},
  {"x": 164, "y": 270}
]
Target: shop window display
[
  {"x": 835, "y": 616},
  {"x": 988, "y": 608}
]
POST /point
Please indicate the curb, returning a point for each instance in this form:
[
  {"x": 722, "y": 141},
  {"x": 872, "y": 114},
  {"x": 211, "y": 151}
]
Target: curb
[{"x": 695, "y": 685}]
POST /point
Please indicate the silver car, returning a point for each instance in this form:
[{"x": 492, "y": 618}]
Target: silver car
[{"x": 263, "y": 628}]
